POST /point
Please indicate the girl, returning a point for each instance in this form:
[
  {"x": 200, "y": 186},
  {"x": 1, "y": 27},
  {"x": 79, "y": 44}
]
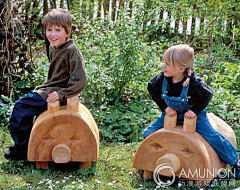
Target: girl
[{"x": 177, "y": 90}]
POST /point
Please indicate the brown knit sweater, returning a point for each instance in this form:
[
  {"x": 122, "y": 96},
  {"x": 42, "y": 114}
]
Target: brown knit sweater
[{"x": 66, "y": 74}]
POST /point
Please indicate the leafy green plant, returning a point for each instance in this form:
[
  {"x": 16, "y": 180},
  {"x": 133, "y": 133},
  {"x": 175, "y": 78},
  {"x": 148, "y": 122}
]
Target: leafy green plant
[
  {"x": 122, "y": 56},
  {"x": 119, "y": 64},
  {"x": 29, "y": 80},
  {"x": 225, "y": 83},
  {"x": 117, "y": 61},
  {"x": 6, "y": 106},
  {"x": 125, "y": 122}
]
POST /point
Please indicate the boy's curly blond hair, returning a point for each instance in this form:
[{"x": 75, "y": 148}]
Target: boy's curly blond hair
[{"x": 59, "y": 17}]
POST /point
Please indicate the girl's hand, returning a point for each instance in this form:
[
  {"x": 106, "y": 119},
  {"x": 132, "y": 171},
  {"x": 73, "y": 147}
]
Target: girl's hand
[
  {"x": 52, "y": 97},
  {"x": 190, "y": 114},
  {"x": 170, "y": 112}
]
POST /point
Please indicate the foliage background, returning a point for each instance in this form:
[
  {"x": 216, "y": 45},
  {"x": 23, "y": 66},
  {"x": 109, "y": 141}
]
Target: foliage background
[{"x": 123, "y": 54}]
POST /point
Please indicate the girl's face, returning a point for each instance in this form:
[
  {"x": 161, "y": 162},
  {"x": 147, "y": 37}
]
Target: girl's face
[
  {"x": 168, "y": 69},
  {"x": 56, "y": 35},
  {"x": 172, "y": 71}
]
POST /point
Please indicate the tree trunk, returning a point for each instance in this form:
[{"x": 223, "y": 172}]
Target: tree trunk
[
  {"x": 53, "y": 4},
  {"x": 61, "y": 3},
  {"x": 104, "y": 7},
  {"x": 45, "y": 11},
  {"x": 185, "y": 31},
  {"x": 113, "y": 10},
  {"x": 5, "y": 52}
]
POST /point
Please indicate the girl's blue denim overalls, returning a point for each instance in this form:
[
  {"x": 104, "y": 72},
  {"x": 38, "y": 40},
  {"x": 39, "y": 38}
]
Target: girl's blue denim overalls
[{"x": 222, "y": 146}]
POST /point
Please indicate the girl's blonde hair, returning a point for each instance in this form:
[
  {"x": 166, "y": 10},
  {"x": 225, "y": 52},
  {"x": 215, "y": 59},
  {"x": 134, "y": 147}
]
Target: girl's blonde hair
[
  {"x": 181, "y": 56},
  {"x": 59, "y": 17}
]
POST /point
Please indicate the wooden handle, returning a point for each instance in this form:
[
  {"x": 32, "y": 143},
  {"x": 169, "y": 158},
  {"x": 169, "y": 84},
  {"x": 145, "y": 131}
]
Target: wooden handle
[
  {"x": 53, "y": 106},
  {"x": 170, "y": 122},
  {"x": 73, "y": 103},
  {"x": 189, "y": 125}
]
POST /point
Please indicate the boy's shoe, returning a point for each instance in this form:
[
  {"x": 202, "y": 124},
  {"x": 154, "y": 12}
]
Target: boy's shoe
[
  {"x": 236, "y": 170},
  {"x": 16, "y": 153},
  {"x": 11, "y": 147}
]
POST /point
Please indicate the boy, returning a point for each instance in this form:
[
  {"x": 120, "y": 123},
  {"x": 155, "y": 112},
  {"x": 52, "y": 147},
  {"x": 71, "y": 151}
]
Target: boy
[{"x": 66, "y": 78}]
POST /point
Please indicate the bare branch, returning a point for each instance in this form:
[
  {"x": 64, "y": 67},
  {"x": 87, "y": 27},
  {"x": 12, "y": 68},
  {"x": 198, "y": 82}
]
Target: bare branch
[{"x": 206, "y": 27}]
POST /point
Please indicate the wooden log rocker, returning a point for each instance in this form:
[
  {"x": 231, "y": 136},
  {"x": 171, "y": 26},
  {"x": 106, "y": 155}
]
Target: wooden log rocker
[
  {"x": 182, "y": 149},
  {"x": 64, "y": 134}
]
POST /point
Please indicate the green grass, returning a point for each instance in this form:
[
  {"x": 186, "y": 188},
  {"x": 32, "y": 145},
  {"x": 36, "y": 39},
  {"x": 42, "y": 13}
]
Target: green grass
[{"x": 113, "y": 170}]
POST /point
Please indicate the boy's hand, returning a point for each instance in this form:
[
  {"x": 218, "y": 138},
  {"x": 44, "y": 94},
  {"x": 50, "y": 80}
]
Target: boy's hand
[
  {"x": 190, "y": 114},
  {"x": 52, "y": 97},
  {"x": 171, "y": 112}
]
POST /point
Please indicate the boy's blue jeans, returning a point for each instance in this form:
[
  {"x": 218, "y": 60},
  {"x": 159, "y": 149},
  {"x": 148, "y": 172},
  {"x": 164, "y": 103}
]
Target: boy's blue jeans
[
  {"x": 222, "y": 146},
  {"x": 22, "y": 118}
]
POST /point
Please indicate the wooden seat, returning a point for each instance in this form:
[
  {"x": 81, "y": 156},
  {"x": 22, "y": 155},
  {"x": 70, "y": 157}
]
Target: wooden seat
[
  {"x": 183, "y": 149},
  {"x": 64, "y": 134}
]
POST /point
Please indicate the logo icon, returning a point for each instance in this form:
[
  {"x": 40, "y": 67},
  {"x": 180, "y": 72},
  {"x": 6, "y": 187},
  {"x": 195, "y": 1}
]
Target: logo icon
[{"x": 156, "y": 175}]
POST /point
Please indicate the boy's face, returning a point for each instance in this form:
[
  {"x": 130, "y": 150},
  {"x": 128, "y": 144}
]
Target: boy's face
[{"x": 56, "y": 35}]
